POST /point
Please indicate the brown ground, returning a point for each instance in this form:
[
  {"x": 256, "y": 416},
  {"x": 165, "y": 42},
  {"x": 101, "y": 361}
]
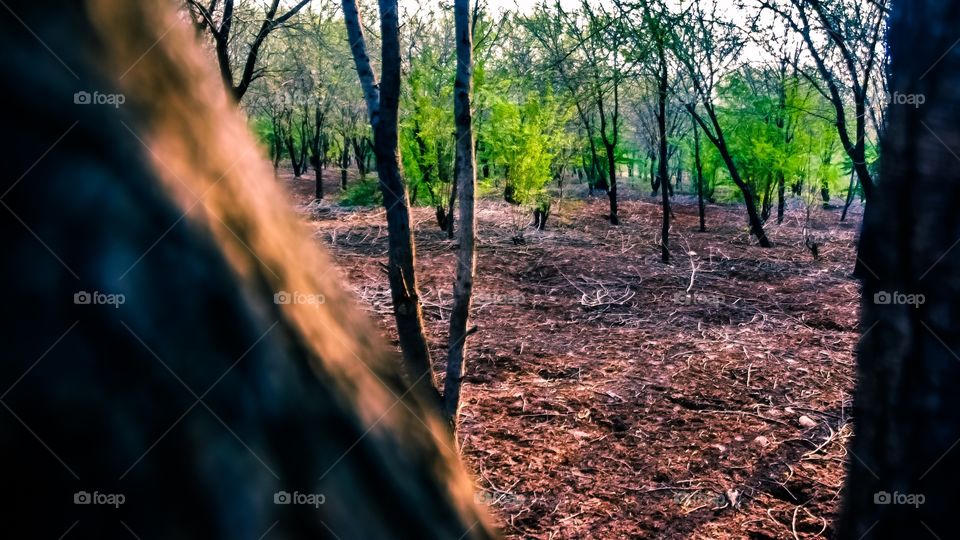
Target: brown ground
[{"x": 602, "y": 401}]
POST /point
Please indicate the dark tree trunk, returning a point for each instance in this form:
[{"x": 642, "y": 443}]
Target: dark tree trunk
[
  {"x": 907, "y": 402},
  {"x": 662, "y": 143},
  {"x": 453, "y": 194},
  {"x": 716, "y": 137},
  {"x": 850, "y": 191},
  {"x": 610, "y": 144},
  {"x": 344, "y": 163},
  {"x": 781, "y": 196},
  {"x": 612, "y": 188},
  {"x": 383, "y": 102},
  {"x": 654, "y": 179},
  {"x": 699, "y": 165}
]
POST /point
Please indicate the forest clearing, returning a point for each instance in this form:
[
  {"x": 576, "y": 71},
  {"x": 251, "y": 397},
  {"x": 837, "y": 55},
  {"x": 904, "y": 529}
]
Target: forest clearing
[{"x": 574, "y": 424}]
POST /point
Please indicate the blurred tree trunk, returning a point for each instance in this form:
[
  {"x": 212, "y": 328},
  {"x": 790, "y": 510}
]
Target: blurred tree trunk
[
  {"x": 383, "y": 101},
  {"x": 904, "y": 467}
]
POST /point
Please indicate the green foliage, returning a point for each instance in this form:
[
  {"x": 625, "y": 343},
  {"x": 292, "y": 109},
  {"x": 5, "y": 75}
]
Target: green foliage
[
  {"x": 772, "y": 134},
  {"x": 362, "y": 193},
  {"x": 427, "y": 128},
  {"x": 527, "y": 142}
]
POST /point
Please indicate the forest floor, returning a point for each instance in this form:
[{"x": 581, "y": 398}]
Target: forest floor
[{"x": 603, "y": 401}]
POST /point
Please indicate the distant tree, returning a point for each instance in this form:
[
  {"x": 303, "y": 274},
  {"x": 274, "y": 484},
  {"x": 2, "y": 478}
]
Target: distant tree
[
  {"x": 845, "y": 40},
  {"x": 707, "y": 47},
  {"x": 218, "y": 20}
]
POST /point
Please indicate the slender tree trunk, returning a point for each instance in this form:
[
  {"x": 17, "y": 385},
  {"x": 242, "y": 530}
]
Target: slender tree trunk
[
  {"x": 344, "y": 163},
  {"x": 905, "y": 467},
  {"x": 781, "y": 196},
  {"x": 662, "y": 132},
  {"x": 466, "y": 177},
  {"x": 850, "y": 190},
  {"x": 612, "y": 187},
  {"x": 699, "y": 165},
  {"x": 716, "y": 137},
  {"x": 453, "y": 198},
  {"x": 383, "y": 102}
]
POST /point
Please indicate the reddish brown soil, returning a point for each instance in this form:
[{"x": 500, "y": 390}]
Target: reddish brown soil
[{"x": 602, "y": 401}]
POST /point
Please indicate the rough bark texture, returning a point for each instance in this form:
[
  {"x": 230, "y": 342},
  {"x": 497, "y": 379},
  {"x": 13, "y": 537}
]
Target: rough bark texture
[
  {"x": 907, "y": 402},
  {"x": 383, "y": 101},
  {"x": 466, "y": 178}
]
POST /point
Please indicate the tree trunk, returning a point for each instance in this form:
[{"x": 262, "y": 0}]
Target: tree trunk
[
  {"x": 466, "y": 177},
  {"x": 612, "y": 187},
  {"x": 902, "y": 482},
  {"x": 383, "y": 102},
  {"x": 453, "y": 195},
  {"x": 716, "y": 137},
  {"x": 699, "y": 165},
  {"x": 662, "y": 160},
  {"x": 850, "y": 191},
  {"x": 781, "y": 196},
  {"x": 344, "y": 163}
]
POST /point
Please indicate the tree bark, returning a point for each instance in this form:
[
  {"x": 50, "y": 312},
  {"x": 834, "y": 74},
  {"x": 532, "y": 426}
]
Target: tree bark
[
  {"x": 662, "y": 161},
  {"x": 850, "y": 189},
  {"x": 383, "y": 102},
  {"x": 699, "y": 165},
  {"x": 781, "y": 196},
  {"x": 907, "y": 402},
  {"x": 466, "y": 178}
]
